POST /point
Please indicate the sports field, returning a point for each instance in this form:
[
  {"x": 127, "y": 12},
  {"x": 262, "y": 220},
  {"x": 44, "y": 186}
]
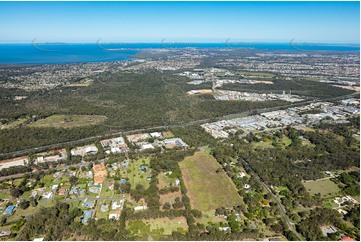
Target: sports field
[
  {"x": 207, "y": 189},
  {"x": 68, "y": 121}
]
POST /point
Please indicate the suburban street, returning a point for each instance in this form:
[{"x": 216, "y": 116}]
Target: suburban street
[{"x": 282, "y": 209}]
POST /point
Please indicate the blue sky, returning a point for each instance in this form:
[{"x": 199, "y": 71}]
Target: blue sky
[{"x": 324, "y": 22}]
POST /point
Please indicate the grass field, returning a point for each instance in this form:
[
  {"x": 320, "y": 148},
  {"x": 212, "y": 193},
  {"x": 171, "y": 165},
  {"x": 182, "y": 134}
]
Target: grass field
[
  {"x": 152, "y": 229},
  {"x": 169, "y": 197},
  {"x": 165, "y": 181},
  {"x": 68, "y": 121},
  {"x": 13, "y": 124},
  {"x": 209, "y": 218},
  {"x": 285, "y": 141},
  {"x": 325, "y": 187},
  {"x": 207, "y": 189},
  {"x": 167, "y": 226},
  {"x": 168, "y": 134},
  {"x": 263, "y": 145}
]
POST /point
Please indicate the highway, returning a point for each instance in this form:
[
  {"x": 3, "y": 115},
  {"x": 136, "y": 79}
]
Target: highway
[{"x": 196, "y": 122}]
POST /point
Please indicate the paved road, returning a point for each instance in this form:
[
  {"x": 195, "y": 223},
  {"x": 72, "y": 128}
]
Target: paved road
[
  {"x": 197, "y": 122},
  {"x": 282, "y": 209},
  {"x": 94, "y": 199}
]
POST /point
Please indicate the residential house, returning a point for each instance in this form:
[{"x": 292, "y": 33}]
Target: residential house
[
  {"x": 114, "y": 215},
  {"x": 138, "y": 208},
  {"x": 86, "y": 216},
  {"x": 100, "y": 173},
  {"x": 89, "y": 204},
  {"x": 62, "y": 191},
  {"x": 9, "y": 210},
  {"x": 104, "y": 207},
  {"x": 5, "y": 232}
]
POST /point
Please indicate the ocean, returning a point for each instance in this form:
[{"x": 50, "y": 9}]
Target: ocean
[{"x": 61, "y": 53}]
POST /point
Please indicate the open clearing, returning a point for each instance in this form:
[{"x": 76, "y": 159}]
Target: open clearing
[
  {"x": 321, "y": 186},
  {"x": 169, "y": 197},
  {"x": 169, "y": 225},
  {"x": 68, "y": 121},
  {"x": 166, "y": 180},
  {"x": 154, "y": 228},
  {"x": 207, "y": 189},
  {"x": 13, "y": 124}
]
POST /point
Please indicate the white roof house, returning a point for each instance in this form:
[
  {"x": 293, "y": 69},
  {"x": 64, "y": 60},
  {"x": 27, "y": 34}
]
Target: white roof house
[
  {"x": 47, "y": 195},
  {"x": 156, "y": 135},
  {"x": 140, "y": 208},
  {"x": 146, "y": 146},
  {"x": 114, "y": 216}
]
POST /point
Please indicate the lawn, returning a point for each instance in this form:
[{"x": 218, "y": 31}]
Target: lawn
[
  {"x": 68, "y": 121},
  {"x": 167, "y": 226},
  {"x": 99, "y": 214},
  {"x": 48, "y": 180},
  {"x": 285, "y": 141},
  {"x": 165, "y": 180},
  {"x": 207, "y": 189},
  {"x": 105, "y": 192},
  {"x": 4, "y": 194},
  {"x": 21, "y": 212},
  {"x": 325, "y": 187},
  {"x": 167, "y": 134},
  {"x": 263, "y": 144},
  {"x": 134, "y": 175},
  {"x": 152, "y": 229},
  {"x": 209, "y": 218}
]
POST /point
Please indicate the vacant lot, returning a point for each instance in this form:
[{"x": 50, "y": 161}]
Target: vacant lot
[
  {"x": 325, "y": 187},
  {"x": 170, "y": 198},
  {"x": 154, "y": 228},
  {"x": 167, "y": 226},
  {"x": 166, "y": 180},
  {"x": 68, "y": 121},
  {"x": 207, "y": 189}
]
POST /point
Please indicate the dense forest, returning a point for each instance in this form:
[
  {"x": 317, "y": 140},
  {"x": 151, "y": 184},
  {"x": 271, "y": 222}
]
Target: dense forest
[{"x": 129, "y": 101}]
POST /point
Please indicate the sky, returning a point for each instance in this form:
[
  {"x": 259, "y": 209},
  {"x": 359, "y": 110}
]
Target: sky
[{"x": 321, "y": 22}]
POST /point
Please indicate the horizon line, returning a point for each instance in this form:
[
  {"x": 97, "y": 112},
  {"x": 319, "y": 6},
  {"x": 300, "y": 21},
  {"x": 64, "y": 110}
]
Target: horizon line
[{"x": 186, "y": 42}]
